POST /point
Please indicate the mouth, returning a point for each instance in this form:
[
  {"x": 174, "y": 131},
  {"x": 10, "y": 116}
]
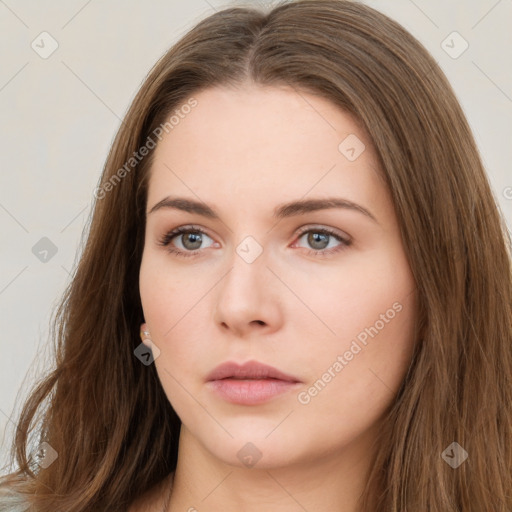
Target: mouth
[{"x": 249, "y": 384}]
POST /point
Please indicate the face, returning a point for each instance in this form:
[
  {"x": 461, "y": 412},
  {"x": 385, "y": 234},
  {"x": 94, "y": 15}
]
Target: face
[{"x": 324, "y": 295}]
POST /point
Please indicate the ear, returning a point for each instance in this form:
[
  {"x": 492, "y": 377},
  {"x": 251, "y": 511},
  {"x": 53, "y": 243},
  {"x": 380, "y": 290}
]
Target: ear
[{"x": 144, "y": 335}]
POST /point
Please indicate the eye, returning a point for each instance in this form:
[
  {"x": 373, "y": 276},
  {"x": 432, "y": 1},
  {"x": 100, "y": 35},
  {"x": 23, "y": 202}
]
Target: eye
[
  {"x": 318, "y": 239},
  {"x": 189, "y": 237}
]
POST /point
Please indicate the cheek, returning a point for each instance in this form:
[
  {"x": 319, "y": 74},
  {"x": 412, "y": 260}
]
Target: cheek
[
  {"x": 370, "y": 310},
  {"x": 165, "y": 296},
  {"x": 354, "y": 381},
  {"x": 173, "y": 305},
  {"x": 362, "y": 295},
  {"x": 168, "y": 307}
]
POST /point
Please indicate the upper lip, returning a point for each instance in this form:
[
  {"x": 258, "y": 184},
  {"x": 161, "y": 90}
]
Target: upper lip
[{"x": 248, "y": 370}]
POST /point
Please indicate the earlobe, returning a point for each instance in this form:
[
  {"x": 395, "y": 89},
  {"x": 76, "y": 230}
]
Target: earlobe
[{"x": 145, "y": 335}]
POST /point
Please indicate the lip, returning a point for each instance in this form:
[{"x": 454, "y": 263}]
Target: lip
[
  {"x": 248, "y": 370},
  {"x": 251, "y": 383}
]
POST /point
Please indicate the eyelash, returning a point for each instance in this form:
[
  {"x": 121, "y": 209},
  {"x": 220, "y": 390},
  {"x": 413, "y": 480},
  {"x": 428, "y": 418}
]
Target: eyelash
[{"x": 166, "y": 240}]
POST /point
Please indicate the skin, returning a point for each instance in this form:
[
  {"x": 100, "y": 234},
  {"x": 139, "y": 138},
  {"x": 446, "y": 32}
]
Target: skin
[{"x": 244, "y": 152}]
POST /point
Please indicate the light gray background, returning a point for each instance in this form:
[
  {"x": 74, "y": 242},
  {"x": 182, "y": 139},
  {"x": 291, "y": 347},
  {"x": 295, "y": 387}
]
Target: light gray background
[{"x": 60, "y": 114}]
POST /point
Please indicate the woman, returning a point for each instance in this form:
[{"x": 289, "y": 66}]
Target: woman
[{"x": 295, "y": 218}]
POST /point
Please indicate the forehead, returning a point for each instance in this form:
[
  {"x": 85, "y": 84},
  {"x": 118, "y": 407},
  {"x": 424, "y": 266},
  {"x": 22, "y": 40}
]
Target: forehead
[{"x": 271, "y": 141}]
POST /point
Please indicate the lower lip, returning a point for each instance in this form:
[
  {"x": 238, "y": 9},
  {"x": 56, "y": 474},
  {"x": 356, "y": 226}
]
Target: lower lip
[{"x": 250, "y": 392}]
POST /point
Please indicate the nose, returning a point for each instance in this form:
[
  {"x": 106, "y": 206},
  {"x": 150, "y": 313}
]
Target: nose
[{"x": 248, "y": 298}]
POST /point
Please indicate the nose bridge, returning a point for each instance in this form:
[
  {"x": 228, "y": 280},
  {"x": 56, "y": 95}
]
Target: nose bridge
[
  {"x": 245, "y": 296},
  {"x": 248, "y": 268}
]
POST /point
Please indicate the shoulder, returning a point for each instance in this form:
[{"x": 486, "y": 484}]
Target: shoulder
[
  {"x": 13, "y": 497},
  {"x": 11, "y": 501},
  {"x": 151, "y": 501},
  {"x": 154, "y": 499}
]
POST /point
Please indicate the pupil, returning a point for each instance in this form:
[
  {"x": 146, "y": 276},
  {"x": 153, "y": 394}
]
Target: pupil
[
  {"x": 193, "y": 238},
  {"x": 317, "y": 237}
]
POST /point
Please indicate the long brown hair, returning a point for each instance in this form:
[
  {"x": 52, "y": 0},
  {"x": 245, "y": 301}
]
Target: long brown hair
[{"x": 106, "y": 414}]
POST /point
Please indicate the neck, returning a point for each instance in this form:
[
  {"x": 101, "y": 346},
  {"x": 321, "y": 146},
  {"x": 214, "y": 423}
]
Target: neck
[{"x": 329, "y": 482}]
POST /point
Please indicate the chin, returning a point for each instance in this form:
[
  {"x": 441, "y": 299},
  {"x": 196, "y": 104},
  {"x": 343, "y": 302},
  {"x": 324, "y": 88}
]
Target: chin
[{"x": 254, "y": 448}]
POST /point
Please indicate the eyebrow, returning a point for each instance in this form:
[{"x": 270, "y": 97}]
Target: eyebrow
[{"x": 291, "y": 209}]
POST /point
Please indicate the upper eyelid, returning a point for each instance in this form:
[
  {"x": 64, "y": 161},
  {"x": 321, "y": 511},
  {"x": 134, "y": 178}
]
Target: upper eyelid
[
  {"x": 302, "y": 229},
  {"x": 331, "y": 231}
]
